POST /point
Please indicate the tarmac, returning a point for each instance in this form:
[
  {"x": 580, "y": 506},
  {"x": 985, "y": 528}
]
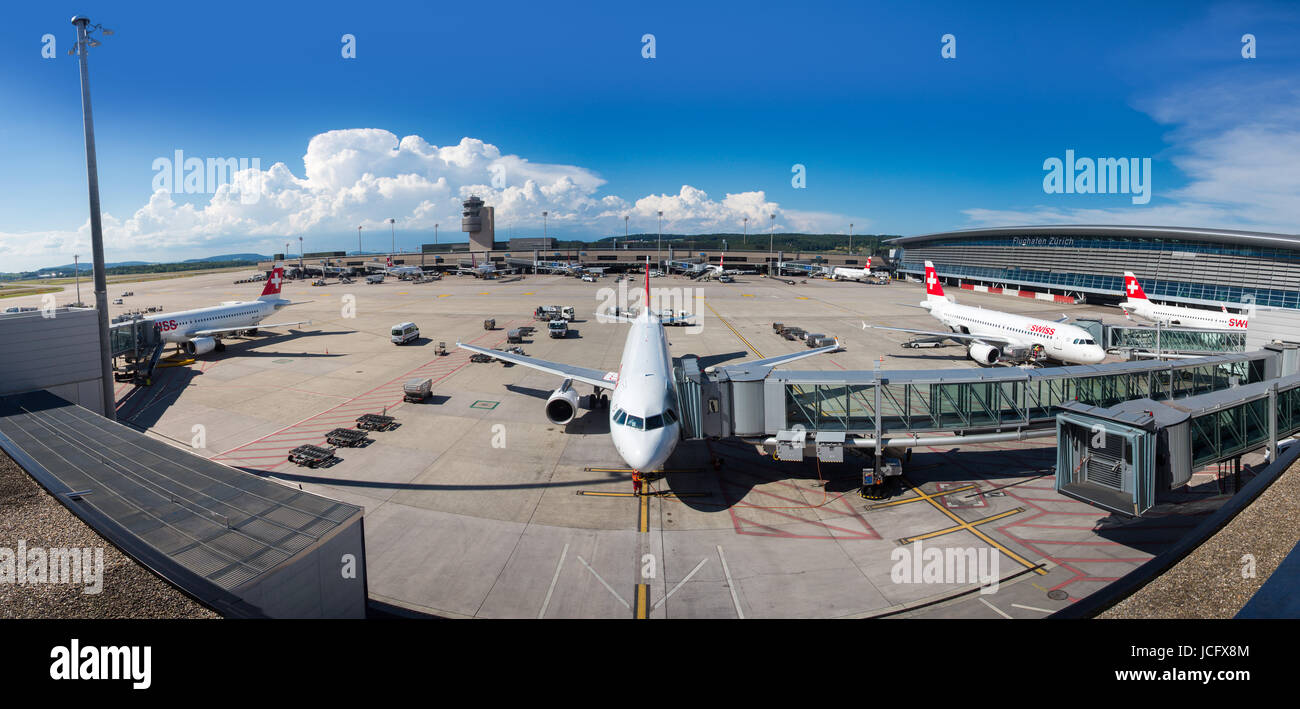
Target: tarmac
[{"x": 477, "y": 506}]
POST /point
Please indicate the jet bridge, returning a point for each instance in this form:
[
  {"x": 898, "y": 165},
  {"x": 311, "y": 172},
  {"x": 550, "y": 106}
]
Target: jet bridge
[
  {"x": 139, "y": 344},
  {"x": 821, "y": 412},
  {"x": 1175, "y": 340},
  {"x": 1126, "y": 457}
]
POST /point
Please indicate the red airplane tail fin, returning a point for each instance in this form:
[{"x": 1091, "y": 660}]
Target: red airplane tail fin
[
  {"x": 1132, "y": 288},
  {"x": 272, "y": 289},
  {"x": 933, "y": 288}
]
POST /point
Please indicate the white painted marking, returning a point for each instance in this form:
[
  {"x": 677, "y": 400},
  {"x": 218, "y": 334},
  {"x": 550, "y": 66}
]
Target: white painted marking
[
  {"x": 554, "y": 578},
  {"x": 997, "y": 610},
  {"x": 735, "y": 600},
  {"x": 609, "y": 588},
  {"x": 681, "y": 583},
  {"x": 1031, "y": 608}
]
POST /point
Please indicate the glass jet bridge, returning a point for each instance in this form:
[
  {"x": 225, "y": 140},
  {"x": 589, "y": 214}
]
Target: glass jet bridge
[{"x": 795, "y": 413}]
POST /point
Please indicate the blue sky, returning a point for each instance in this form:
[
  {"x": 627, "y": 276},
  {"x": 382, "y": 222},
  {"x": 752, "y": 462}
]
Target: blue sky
[{"x": 894, "y": 138}]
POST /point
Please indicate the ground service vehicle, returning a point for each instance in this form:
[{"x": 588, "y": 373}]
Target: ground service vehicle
[{"x": 405, "y": 332}]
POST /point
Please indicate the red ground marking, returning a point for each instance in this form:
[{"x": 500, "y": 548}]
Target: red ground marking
[
  {"x": 840, "y": 508},
  {"x": 1075, "y": 565}
]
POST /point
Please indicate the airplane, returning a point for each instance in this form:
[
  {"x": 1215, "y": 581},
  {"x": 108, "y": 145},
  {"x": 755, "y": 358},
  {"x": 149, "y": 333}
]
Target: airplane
[
  {"x": 1136, "y": 303},
  {"x": 844, "y": 273},
  {"x": 644, "y": 423},
  {"x": 477, "y": 270},
  {"x": 990, "y": 335},
  {"x": 199, "y": 331},
  {"x": 722, "y": 270},
  {"x": 402, "y": 271}
]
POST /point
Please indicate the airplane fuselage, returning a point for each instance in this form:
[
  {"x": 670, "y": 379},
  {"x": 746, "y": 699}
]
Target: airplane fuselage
[
  {"x": 179, "y": 327},
  {"x": 1065, "y": 343},
  {"x": 1178, "y": 316},
  {"x": 643, "y": 419}
]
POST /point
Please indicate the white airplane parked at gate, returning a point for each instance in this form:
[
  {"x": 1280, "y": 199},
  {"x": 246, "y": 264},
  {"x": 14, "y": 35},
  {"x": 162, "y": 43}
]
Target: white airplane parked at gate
[
  {"x": 199, "y": 331},
  {"x": 845, "y": 273},
  {"x": 399, "y": 271},
  {"x": 643, "y": 421},
  {"x": 990, "y": 334},
  {"x": 1137, "y": 304},
  {"x": 487, "y": 269},
  {"x": 721, "y": 268}
]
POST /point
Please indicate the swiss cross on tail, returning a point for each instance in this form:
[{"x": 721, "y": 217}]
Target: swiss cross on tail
[
  {"x": 390, "y": 261},
  {"x": 932, "y": 285},
  {"x": 1132, "y": 288},
  {"x": 272, "y": 289}
]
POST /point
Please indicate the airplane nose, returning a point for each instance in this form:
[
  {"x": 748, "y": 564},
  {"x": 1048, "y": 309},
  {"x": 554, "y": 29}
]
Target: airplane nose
[{"x": 643, "y": 451}]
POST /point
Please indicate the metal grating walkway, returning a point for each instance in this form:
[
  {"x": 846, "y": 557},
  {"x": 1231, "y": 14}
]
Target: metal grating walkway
[{"x": 220, "y": 524}]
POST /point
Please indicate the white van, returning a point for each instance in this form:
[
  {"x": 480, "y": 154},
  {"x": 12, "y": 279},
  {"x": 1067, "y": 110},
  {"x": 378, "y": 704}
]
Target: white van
[{"x": 405, "y": 332}]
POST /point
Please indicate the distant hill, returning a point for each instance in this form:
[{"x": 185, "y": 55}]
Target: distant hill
[
  {"x": 87, "y": 267},
  {"x": 121, "y": 267},
  {"x": 254, "y": 258}
]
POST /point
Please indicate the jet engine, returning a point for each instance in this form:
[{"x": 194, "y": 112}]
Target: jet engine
[
  {"x": 562, "y": 406},
  {"x": 984, "y": 354},
  {"x": 201, "y": 345}
]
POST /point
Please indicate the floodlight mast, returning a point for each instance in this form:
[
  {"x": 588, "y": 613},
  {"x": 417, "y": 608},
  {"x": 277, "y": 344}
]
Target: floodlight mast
[{"x": 96, "y": 223}]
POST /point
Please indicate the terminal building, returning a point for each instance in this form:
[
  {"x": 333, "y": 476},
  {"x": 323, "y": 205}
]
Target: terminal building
[{"x": 1196, "y": 266}]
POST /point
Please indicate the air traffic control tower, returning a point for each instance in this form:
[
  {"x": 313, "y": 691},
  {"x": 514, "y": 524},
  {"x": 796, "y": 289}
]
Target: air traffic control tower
[{"x": 477, "y": 221}]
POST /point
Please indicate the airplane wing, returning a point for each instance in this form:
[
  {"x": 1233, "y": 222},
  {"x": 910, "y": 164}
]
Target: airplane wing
[
  {"x": 616, "y": 318},
  {"x": 225, "y": 330},
  {"x": 783, "y": 359},
  {"x": 594, "y": 377},
  {"x": 995, "y": 339}
]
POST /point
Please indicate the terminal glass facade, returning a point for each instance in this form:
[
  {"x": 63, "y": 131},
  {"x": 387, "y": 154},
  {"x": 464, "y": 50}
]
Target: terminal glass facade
[{"x": 1180, "y": 269}]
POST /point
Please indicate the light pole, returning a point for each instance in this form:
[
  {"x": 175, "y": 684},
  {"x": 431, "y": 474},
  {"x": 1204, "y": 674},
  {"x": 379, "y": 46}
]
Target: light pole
[
  {"x": 850, "y": 237},
  {"x": 435, "y": 237},
  {"x": 746, "y": 231},
  {"x": 392, "y": 230},
  {"x": 544, "y": 225},
  {"x": 771, "y": 232},
  {"x": 301, "y": 265},
  {"x": 76, "y": 266},
  {"x": 358, "y": 241},
  {"x": 84, "y": 43},
  {"x": 660, "y": 241}
]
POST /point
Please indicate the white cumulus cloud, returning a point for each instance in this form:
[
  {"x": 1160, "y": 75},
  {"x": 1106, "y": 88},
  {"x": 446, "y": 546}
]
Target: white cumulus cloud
[{"x": 365, "y": 176}]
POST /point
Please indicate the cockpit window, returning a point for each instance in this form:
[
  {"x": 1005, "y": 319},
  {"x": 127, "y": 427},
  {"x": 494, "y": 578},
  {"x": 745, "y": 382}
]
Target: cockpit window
[
  {"x": 635, "y": 422},
  {"x": 653, "y": 422},
  {"x": 619, "y": 417},
  {"x": 669, "y": 416}
]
